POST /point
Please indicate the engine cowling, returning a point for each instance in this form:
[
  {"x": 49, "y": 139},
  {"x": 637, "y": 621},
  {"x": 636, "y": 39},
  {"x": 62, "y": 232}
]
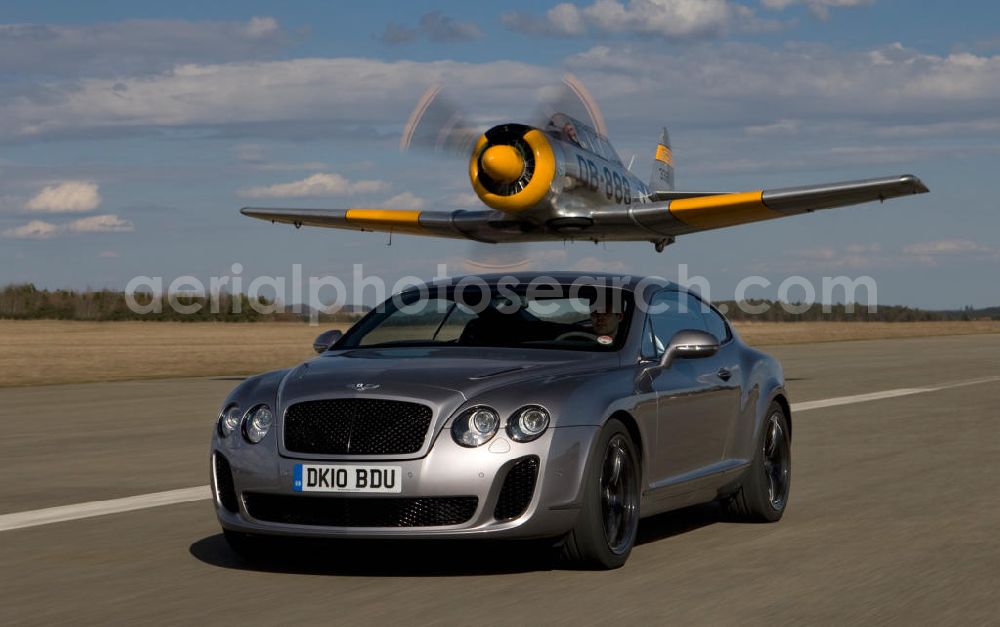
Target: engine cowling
[{"x": 512, "y": 167}]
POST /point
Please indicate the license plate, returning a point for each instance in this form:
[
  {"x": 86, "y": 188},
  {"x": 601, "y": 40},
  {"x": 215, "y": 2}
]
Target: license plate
[{"x": 326, "y": 478}]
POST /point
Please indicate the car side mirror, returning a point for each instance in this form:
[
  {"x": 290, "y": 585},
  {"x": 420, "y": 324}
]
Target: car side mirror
[
  {"x": 689, "y": 344},
  {"x": 326, "y": 339}
]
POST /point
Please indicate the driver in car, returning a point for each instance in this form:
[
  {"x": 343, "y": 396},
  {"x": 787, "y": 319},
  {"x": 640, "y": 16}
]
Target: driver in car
[{"x": 605, "y": 318}]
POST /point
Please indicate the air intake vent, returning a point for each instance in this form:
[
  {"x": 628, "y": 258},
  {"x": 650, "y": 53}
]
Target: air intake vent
[
  {"x": 224, "y": 485},
  {"x": 518, "y": 488},
  {"x": 360, "y": 512}
]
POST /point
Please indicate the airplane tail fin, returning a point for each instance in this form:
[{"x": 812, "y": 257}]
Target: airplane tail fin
[{"x": 662, "y": 177}]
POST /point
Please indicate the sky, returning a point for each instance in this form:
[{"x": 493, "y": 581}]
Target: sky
[{"x": 131, "y": 133}]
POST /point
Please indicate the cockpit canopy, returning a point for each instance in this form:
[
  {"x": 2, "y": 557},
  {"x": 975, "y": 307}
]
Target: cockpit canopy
[{"x": 571, "y": 130}]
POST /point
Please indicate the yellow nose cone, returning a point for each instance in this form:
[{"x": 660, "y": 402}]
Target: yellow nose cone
[{"x": 503, "y": 163}]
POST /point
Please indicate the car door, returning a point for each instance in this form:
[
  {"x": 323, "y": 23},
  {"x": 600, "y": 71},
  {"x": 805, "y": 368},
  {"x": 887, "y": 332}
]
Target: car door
[
  {"x": 730, "y": 374},
  {"x": 694, "y": 405}
]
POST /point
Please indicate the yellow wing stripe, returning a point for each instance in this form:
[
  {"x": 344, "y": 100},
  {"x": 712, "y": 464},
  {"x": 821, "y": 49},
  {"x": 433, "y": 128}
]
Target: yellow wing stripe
[
  {"x": 709, "y": 212},
  {"x": 386, "y": 220}
]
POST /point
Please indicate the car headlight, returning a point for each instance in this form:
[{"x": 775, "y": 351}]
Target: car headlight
[
  {"x": 256, "y": 423},
  {"x": 528, "y": 423},
  {"x": 229, "y": 419},
  {"x": 475, "y": 426}
]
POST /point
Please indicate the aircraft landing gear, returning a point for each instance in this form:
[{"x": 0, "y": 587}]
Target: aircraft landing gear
[{"x": 660, "y": 244}]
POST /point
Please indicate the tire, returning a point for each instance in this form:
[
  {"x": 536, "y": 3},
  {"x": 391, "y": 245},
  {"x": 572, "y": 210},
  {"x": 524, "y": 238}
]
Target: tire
[
  {"x": 762, "y": 495},
  {"x": 608, "y": 523}
]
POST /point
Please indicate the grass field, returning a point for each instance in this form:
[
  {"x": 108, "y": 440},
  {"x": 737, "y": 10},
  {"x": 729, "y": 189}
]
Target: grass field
[{"x": 39, "y": 352}]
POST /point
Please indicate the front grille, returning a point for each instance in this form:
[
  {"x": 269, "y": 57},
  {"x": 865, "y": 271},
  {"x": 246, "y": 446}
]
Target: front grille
[
  {"x": 356, "y": 426},
  {"x": 224, "y": 483},
  {"x": 518, "y": 488},
  {"x": 360, "y": 512}
]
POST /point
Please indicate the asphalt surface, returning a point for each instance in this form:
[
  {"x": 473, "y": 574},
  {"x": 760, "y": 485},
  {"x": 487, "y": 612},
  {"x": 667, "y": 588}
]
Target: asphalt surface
[{"x": 893, "y": 517}]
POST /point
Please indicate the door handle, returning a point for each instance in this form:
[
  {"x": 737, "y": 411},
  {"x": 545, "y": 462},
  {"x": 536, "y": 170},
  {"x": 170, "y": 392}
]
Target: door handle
[{"x": 724, "y": 374}]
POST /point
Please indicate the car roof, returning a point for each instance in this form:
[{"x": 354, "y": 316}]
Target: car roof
[{"x": 600, "y": 279}]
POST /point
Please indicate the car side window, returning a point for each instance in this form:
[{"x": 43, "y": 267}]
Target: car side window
[
  {"x": 672, "y": 311},
  {"x": 717, "y": 325},
  {"x": 453, "y": 325},
  {"x": 652, "y": 348}
]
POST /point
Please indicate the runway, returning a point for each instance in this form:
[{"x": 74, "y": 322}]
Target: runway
[{"x": 892, "y": 517}]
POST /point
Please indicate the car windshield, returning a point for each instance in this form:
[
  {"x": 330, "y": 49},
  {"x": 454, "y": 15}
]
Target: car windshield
[{"x": 583, "y": 318}]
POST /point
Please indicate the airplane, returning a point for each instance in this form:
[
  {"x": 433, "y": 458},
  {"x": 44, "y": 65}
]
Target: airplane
[{"x": 562, "y": 180}]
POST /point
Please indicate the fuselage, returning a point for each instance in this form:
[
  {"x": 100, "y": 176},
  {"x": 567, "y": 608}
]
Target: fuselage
[
  {"x": 592, "y": 179},
  {"x": 562, "y": 173}
]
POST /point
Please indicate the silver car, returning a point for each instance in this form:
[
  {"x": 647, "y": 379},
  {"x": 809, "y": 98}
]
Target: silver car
[{"x": 554, "y": 406}]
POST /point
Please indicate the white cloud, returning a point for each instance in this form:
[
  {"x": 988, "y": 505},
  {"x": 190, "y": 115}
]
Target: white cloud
[
  {"x": 828, "y": 258},
  {"x": 809, "y": 95},
  {"x": 316, "y": 185},
  {"x": 116, "y": 49},
  {"x": 750, "y": 90},
  {"x": 107, "y": 223},
  {"x": 66, "y": 197},
  {"x": 464, "y": 200},
  {"x": 780, "y": 127},
  {"x": 262, "y": 27},
  {"x": 669, "y": 19},
  {"x": 596, "y": 264},
  {"x": 38, "y": 229},
  {"x": 406, "y": 200},
  {"x": 946, "y": 247},
  {"x": 858, "y": 249},
  {"x": 567, "y": 19},
  {"x": 367, "y": 92},
  {"x": 819, "y": 7},
  {"x": 868, "y": 256},
  {"x": 822, "y": 253}
]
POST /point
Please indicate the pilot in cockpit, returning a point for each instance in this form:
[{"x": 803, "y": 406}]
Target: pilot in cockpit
[{"x": 566, "y": 128}]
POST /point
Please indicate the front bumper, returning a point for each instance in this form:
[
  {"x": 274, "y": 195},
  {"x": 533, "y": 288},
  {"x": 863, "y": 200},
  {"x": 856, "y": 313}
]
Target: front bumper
[{"x": 448, "y": 470}]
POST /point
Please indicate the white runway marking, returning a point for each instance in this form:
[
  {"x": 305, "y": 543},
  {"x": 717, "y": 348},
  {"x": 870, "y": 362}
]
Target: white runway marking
[
  {"x": 34, "y": 518},
  {"x": 63, "y": 513},
  {"x": 876, "y": 396}
]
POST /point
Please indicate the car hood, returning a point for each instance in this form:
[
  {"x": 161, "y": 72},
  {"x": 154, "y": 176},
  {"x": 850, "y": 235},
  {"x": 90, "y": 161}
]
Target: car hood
[
  {"x": 444, "y": 378},
  {"x": 434, "y": 374}
]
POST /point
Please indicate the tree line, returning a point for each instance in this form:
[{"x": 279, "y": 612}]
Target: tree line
[
  {"x": 775, "y": 311},
  {"x": 27, "y": 302}
]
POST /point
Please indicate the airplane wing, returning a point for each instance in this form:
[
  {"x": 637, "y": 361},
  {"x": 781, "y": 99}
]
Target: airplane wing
[
  {"x": 657, "y": 222},
  {"x": 485, "y": 226},
  {"x": 703, "y": 212}
]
